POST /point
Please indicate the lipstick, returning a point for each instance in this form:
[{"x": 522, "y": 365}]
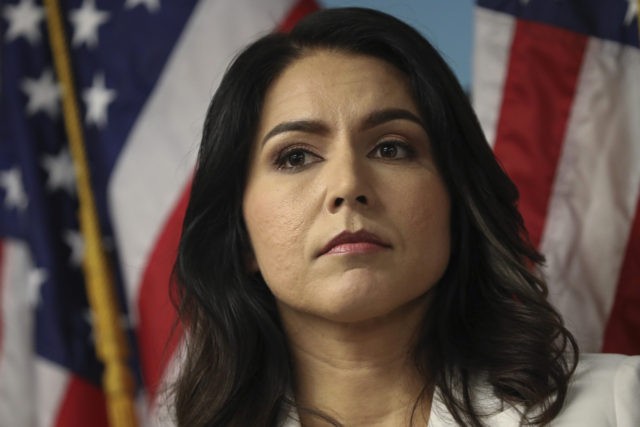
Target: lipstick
[{"x": 354, "y": 243}]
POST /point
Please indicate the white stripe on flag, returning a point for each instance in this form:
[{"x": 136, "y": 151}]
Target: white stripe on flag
[
  {"x": 159, "y": 156},
  {"x": 494, "y": 36},
  {"x": 51, "y": 387},
  {"x": 17, "y": 407},
  {"x": 595, "y": 191},
  {"x": 161, "y": 413},
  {"x": 31, "y": 389}
]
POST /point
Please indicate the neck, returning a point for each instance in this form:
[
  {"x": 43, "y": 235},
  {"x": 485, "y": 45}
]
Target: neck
[{"x": 358, "y": 373}]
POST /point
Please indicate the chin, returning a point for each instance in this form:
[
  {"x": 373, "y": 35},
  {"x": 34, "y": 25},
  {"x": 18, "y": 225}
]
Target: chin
[
  {"x": 354, "y": 296},
  {"x": 368, "y": 306},
  {"x": 352, "y": 313}
]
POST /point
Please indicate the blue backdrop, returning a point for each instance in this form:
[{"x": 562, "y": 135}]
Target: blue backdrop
[{"x": 448, "y": 24}]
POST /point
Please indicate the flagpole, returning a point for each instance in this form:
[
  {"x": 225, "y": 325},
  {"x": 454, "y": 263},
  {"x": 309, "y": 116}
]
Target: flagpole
[{"x": 111, "y": 346}]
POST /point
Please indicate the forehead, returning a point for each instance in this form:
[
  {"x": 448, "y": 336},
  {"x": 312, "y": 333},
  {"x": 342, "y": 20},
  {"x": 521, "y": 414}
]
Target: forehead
[{"x": 335, "y": 86}]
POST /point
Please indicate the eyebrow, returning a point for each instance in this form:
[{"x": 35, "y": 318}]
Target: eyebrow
[
  {"x": 375, "y": 118},
  {"x": 379, "y": 117},
  {"x": 307, "y": 126}
]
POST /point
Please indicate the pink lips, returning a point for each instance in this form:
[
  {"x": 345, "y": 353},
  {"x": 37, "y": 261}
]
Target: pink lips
[{"x": 355, "y": 243}]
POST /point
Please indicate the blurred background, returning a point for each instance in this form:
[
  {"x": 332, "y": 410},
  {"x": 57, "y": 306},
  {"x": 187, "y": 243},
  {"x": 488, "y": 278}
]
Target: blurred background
[{"x": 447, "y": 24}]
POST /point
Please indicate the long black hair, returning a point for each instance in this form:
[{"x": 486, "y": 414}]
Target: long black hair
[{"x": 489, "y": 315}]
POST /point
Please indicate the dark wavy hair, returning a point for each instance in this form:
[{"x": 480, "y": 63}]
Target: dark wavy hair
[{"x": 489, "y": 315}]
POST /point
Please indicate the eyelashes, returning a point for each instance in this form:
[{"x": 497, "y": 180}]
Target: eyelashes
[
  {"x": 295, "y": 157},
  {"x": 393, "y": 149},
  {"x": 299, "y": 156}
]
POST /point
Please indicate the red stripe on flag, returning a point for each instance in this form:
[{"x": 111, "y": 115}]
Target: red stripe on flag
[
  {"x": 622, "y": 334},
  {"x": 157, "y": 316},
  {"x": 83, "y": 405},
  {"x": 297, "y": 12},
  {"x": 541, "y": 81}
]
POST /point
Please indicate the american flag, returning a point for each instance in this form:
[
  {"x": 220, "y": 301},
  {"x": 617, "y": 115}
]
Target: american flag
[
  {"x": 557, "y": 89},
  {"x": 144, "y": 73}
]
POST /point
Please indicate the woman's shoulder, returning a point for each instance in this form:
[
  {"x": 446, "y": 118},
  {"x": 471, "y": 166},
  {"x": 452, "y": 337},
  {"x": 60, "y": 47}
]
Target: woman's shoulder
[
  {"x": 604, "y": 392},
  {"x": 597, "y": 362},
  {"x": 615, "y": 370}
]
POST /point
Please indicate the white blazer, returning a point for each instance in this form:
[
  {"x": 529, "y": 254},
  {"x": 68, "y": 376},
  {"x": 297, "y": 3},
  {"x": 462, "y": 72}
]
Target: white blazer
[{"x": 603, "y": 392}]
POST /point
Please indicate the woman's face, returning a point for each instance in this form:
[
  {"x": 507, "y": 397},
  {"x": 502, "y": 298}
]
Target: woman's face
[{"x": 347, "y": 213}]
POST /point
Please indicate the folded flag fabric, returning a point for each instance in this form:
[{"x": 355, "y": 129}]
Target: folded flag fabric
[{"x": 557, "y": 89}]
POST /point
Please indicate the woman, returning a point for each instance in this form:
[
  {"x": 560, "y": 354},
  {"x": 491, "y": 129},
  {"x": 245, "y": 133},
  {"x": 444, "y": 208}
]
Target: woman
[{"x": 352, "y": 253}]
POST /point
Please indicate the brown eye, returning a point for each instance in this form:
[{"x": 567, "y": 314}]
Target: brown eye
[
  {"x": 292, "y": 159},
  {"x": 392, "y": 150},
  {"x": 295, "y": 158},
  {"x": 388, "y": 150}
]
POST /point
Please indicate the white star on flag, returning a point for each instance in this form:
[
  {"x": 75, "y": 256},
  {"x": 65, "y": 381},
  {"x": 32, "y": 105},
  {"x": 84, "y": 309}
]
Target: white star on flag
[
  {"x": 35, "y": 280},
  {"x": 90, "y": 318},
  {"x": 97, "y": 99},
  {"x": 86, "y": 21},
  {"x": 123, "y": 319},
  {"x": 24, "y": 20},
  {"x": 75, "y": 241},
  {"x": 60, "y": 172},
  {"x": 632, "y": 12},
  {"x": 43, "y": 93},
  {"x": 11, "y": 181},
  {"x": 151, "y": 5}
]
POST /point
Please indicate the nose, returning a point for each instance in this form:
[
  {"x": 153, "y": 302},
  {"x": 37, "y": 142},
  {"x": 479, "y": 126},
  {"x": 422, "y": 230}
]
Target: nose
[
  {"x": 348, "y": 184},
  {"x": 361, "y": 199}
]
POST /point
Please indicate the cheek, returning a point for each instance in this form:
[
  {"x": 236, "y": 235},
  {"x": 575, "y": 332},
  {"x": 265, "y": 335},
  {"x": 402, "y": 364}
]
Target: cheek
[
  {"x": 276, "y": 227},
  {"x": 427, "y": 222},
  {"x": 430, "y": 216},
  {"x": 422, "y": 204}
]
